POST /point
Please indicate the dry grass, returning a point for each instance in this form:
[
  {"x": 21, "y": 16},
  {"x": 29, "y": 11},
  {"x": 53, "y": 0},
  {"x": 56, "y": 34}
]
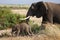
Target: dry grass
[
  {"x": 20, "y": 11},
  {"x": 51, "y": 32}
]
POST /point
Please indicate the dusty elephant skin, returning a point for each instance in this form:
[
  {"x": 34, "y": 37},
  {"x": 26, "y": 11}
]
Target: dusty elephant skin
[
  {"x": 18, "y": 28},
  {"x": 49, "y": 11}
]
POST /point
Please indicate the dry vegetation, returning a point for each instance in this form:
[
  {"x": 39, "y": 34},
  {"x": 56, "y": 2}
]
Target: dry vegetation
[
  {"x": 20, "y": 11},
  {"x": 51, "y": 32}
]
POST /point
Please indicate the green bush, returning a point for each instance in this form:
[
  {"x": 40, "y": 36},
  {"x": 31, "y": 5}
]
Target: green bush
[
  {"x": 8, "y": 19},
  {"x": 35, "y": 28}
]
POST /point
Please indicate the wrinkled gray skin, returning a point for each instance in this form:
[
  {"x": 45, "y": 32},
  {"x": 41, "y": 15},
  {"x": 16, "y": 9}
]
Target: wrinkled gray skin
[
  {"x": 18, "y": 28},
  {"x": 49, "y": 11}
]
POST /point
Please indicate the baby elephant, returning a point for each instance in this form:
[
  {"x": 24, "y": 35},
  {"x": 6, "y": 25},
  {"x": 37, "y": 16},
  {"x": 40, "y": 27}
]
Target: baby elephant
[{"x": 18, "y": 28}]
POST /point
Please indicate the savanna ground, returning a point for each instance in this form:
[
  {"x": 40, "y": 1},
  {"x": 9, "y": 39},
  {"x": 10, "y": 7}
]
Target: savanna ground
[{"x": 50, "y": 32}]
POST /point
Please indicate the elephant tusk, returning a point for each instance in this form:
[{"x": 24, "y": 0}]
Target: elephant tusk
[{"x": 25, "y": 18}]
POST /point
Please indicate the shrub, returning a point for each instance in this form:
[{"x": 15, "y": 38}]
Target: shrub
[
  {"x": 35, "y": 28},
  {"x": 8, "y": 19}
]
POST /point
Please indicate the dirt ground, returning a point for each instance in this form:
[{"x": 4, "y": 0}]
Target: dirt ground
[
  {"x": 22, "y": 38},
  {"x": 38, "y": 37}
]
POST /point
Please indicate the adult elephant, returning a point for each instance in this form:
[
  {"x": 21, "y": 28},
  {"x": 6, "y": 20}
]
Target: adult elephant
[{"x": 49, "y": 11}]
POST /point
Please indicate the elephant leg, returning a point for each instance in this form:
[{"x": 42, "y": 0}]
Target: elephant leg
[
  {"x": 18, "y": 32},
  {"x": 30, "y": 31},
  {"x": 13, "y": 33},
  {"x": 50, "y": 17},
  {"x": 27, "y": 30}
]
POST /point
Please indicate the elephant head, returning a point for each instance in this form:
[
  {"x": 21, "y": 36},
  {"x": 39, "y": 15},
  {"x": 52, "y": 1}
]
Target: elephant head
[{"x": 37, "y": 9}]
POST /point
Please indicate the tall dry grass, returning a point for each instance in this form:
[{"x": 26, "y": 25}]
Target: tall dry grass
[{"x": 51, "y": 32}]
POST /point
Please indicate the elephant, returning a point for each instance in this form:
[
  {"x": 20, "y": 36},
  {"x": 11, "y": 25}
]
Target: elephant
[
  {"x": 50, "y": 12},
  {"x": 18, "y": 28}
]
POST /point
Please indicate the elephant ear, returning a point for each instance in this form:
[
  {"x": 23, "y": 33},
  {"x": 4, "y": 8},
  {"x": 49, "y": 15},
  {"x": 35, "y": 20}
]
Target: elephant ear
[
  {"x": 45, "y": 5},
  {"x": 33, "y": 6}
]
